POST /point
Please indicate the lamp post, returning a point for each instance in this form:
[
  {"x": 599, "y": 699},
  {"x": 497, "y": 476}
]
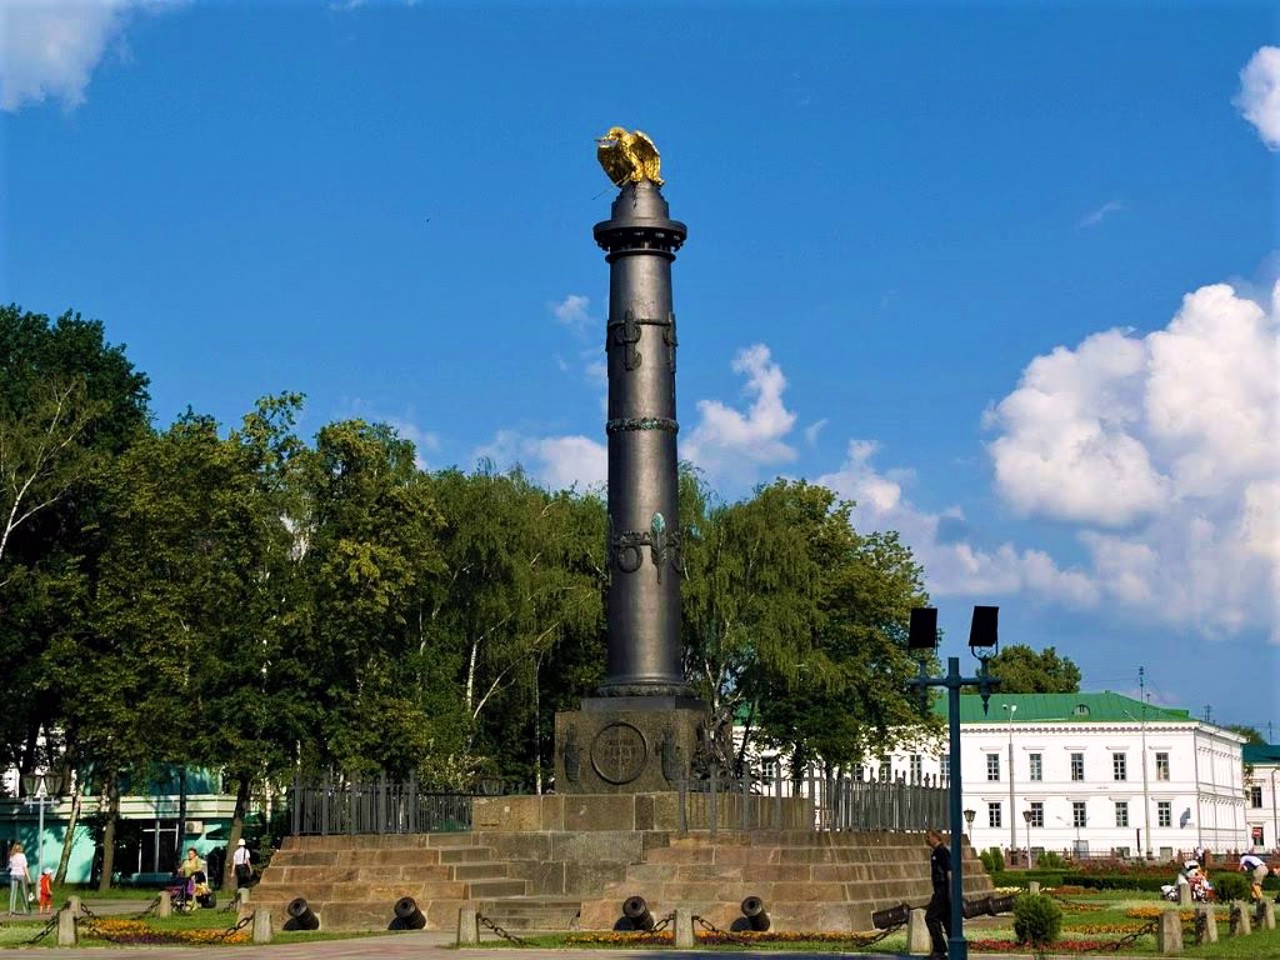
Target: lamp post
[
  {"x": 42, "y": 791},
  {"x": 1013, "y": 823},
  {"x": 1026, "y": 818},
  {"x": 1146, "y": 795},
  {"x": 968, "y": 818},
  {"x": 923, "y": 639}
]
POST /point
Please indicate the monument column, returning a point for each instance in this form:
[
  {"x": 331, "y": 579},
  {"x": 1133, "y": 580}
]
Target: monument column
[
  {"x": 640, "y": 734},
  {"x": 640, "y": 241}
]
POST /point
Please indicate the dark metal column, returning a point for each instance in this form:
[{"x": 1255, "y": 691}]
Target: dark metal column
[{"x": 644, "y": 527}]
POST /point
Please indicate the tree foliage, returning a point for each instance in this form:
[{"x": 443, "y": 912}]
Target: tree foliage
[{"x": 1023, "y": 670}]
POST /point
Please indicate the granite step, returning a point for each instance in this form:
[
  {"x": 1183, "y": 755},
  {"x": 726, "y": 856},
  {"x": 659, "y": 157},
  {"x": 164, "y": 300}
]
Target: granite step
[{"x": 532, "y": 913}]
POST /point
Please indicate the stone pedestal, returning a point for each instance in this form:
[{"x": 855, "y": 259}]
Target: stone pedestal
[
  {"x": 628, "y": 744},
  {"x": 262, "y": 926},
  {"x": 919, "y": 943},
  {"x": 67, "y": 927},
  {"x": 1169, "y": 933},
  {"x": 1208, "y": 923}
]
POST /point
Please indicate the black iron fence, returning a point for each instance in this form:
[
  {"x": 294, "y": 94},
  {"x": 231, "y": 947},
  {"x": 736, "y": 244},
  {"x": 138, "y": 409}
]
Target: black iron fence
[
  {"x": 334, "y": 805},
  {"x": 825, "y": 803}
]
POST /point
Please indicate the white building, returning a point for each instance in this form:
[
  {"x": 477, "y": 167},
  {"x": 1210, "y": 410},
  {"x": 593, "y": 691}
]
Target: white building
[
  {"x": 1262, "y": 806},
  {"x": 1093, "y": 773}
]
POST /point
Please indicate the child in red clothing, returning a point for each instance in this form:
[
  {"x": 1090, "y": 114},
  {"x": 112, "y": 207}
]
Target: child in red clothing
[{"x": 46, "y": 890}]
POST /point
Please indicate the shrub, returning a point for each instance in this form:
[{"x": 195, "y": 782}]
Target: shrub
[
  {"x": 985, "y": 857},
  {"x": 1230, "y": 886},
  {"x": 997, "y": 860},
  {"x": 1036, "y": 920},
  {"x": 1051, "y": 861}
]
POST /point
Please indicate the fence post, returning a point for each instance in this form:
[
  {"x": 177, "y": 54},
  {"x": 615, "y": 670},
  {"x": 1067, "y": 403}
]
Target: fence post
[
  {"x": 381, "y": 802},
  {"x": 746, "y": 797},
  {"x": 412, "y": 801},
  {"x": 715, "y": 786},
  {"x": 297, "y": 802},
  {"x": 324, "y": 802}
]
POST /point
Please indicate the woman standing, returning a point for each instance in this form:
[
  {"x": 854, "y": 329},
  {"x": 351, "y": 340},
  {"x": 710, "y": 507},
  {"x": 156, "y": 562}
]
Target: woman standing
[{"x": 19, "y": 879}]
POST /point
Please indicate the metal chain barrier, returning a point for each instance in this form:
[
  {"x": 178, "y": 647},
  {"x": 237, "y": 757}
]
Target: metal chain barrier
[
  {"x": 505, "y": 935},
  {"x": 1129, "y": 938},
  {"x": 663, "y": 923},
  {"x": 47, "y": 929},
  {"x": 712, "y": 928},
  {"x": 855, "y": 940},
  {"x": 232, "y": 931},
  {"x": 151, "y": 908},
  {"x": 1201, "y": 926}
]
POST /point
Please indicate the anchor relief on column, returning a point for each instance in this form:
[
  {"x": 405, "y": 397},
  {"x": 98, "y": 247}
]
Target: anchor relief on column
[
  {"x": 626, "y": 332},
  {"x": 626, "y": 548}
]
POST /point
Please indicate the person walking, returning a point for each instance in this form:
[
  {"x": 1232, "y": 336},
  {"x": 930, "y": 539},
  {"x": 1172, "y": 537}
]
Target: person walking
[
  {"x": 242, "y": 864},
  {"x": 19, "y": 880},
  {"x": 937, "y": 916}
]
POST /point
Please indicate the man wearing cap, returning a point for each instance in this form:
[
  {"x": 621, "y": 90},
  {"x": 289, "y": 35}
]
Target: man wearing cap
[{"x": 241, "y": 864}]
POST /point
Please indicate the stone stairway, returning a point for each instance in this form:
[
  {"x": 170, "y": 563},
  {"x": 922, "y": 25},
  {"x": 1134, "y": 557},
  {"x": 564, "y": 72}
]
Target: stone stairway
[
  {"x": 807, "y": 880},
  {"x": 353, "y": 882},
  {"x": 559, "y": 880}
]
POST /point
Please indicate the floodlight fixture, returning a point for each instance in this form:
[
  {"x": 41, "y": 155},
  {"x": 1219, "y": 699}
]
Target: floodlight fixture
[
  {"x": 923, "y": 634},
  {"x": 983, "y": 632}
]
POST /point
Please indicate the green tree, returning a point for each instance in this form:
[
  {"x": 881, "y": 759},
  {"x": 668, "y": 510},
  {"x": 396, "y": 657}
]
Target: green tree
[
  {"x": 367, "y": 540},
  {"x": 1023, "y": 670},
  {"x": 795, "y": 623},
  {"x": 69, "y": 402},
  {"x": 521, "y": 604}
]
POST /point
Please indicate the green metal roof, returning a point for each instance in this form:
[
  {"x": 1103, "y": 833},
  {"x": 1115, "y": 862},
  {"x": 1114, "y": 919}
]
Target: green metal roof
[
  {"x": 1262, "y": 753},
  {"x": 1102, "y": 707}
]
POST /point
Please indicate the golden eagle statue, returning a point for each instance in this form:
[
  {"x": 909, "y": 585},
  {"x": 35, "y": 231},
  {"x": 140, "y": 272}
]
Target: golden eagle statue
[{"x": 628, "y": 157}]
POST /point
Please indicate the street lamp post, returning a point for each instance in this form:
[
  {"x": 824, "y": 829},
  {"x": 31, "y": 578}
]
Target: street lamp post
[
  {"x": 1026, "y": 818},
  {"x": 1013, "y": 823},
  {"x": 42, "y": 791},
  {"x": 922, "y": 639},
  {"x": 968, "y": 818}
]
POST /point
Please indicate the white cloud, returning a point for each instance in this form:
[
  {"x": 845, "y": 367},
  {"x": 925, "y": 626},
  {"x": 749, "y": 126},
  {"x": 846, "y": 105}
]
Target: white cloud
[
  {"x": 573, "y": 311},
  {"x": 1259, "y": 96},
  {"x": 1165, "y": 451},
  {"x": 952, "y": 567},
  {"x": 556, "y": 462},
  {"x": 1095, "y": 217},
  {"x": 50, "y": 48},
  {"x": 727, "y": 443},
  {"x": 812, "y": 431},
  {"x": 424, "y": 441}
]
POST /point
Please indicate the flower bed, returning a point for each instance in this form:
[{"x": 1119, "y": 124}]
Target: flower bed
[
  {"x": 1060, "y": 946},
  {"x": 131, "y": 931}
]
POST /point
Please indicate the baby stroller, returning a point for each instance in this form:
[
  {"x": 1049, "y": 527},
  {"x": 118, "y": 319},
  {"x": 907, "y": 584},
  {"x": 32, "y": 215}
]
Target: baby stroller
[
  {"x": 1193, "y": 877},
  {"x": 187, "y": 893}
]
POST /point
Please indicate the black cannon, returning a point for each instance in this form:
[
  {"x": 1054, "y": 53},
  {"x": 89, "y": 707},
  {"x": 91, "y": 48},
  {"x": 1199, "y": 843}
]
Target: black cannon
[
  {"x": 636, "y": 915},
  {"x": 301, "y": 916},
  {"x": 891, "y": 916},
  {"x": 408, "y": 916},
  {"x": 753, "y": 910}
]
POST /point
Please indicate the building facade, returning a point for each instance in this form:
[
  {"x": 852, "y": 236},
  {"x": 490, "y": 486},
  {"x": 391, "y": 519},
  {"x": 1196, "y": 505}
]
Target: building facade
[
  {"x": 1093, "y": 774},
  {"x": 1262, "y": 806}
]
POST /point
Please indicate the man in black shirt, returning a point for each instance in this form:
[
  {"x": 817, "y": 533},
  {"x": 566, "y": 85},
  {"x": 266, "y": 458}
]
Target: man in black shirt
[{"x": 937, "y": 917}]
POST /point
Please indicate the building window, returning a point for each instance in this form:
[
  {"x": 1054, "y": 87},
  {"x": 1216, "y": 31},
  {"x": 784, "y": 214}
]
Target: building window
[
  {"x": 1119, "y": 767},
  {"x": 885, "y": 773},
  {"x": 1037, "y": 767},
  {"x": 769, "y": 769},
  {"x": 1255, "y": 797},
  {"x": 1122, "y": 813},
  {"x": 1037, "y": 813},
  {"x": 1077, "y": 766},
  {"x": 1078, "y": 816},
  {"x": 917, "y": 768},
  {"x": 993, "y": 815},
  {"x": 993, "y": 766},
  {"x": 1164, "y": 813},
  {"x": 946, "y": 766},
  {"x": 1162, "y": 766},
  {"x": 859, "y": 773}
]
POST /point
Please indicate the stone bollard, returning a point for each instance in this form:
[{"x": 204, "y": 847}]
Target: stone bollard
[
  {"x": 1033, "y": 888},
  {"x": 1266, "y": 914},
  {"x": 468, "y": 927},
  {"x": 73, "y": 904},
  {"x": 1169, "y": 933},
  {"x": 918, "y": 942},
  {"x": 165, "y": 908},
  {"x": 1184, "y": 894},
  {"x": 1241, "y": 925},
  {"x": 67, "y": 925},
  {"x": 262, "y": 926},
  {"x": 684, "y": 929},
  {"x": 1206, "y": 916}
]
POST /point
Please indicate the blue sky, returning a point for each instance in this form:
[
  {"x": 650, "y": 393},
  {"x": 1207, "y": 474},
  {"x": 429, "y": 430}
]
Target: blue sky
[{"x": 1002, "y": 273}]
